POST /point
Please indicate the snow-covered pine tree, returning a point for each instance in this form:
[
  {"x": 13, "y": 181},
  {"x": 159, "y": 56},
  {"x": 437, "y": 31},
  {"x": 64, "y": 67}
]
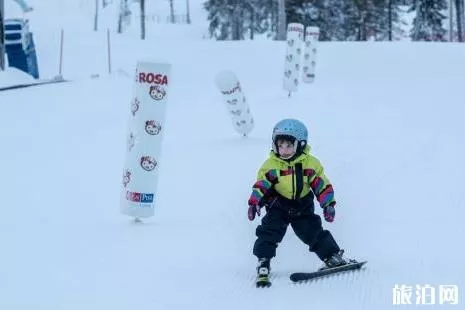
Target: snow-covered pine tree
[
  {"x": 282, "y": 21},
  {"x": 260, "y": 16},
  {"x": 384, "y": 20},
  {"x": 348, "y": 20},
  {"x": 352, "y": 21},
  {"x": 172, "y": 17},
  {"x": 428, "y": 22},
  {"x": 459, "y": 11},
  {"x": 219, "y": 18},
  {"x": 328, "y": 15},
  {"x": 142, "y": 19},
  {"x": 369, "y": 18},
  {"x": 337, "y": 19},
  {"x": 372, "y": 20},
  {"x": 394, "y": 21},
  {"x": 238, "y": 19},
  {"x": 332, "y": 19}
]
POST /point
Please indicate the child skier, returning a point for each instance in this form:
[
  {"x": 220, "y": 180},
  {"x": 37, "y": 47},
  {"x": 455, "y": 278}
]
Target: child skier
[{"x": 286, "y": 185}]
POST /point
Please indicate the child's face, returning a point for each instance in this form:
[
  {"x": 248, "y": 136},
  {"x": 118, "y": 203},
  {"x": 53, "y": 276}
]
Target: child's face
[{"x": 285, "y": 148}]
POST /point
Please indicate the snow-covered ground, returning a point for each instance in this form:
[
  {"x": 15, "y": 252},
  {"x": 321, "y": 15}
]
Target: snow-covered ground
[
  {"x": 385, "y": 119},
  {"x": 12, "y": 76}
]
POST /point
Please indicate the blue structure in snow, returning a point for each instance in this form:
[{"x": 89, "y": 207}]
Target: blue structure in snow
[{"x": 19, "y": 46}]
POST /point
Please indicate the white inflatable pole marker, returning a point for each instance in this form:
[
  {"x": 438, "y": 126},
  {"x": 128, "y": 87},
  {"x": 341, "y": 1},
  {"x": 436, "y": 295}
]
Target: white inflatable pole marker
[
  {"x": 295, "y": 36},
  {"x": 145, "y": 133},
  {"x": 308, "y": 65},
  {"x": 235, "y": 102}
]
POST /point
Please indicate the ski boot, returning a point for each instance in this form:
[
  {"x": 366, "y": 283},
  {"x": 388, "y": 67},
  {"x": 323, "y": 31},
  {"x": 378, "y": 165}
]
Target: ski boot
[
  {"x": 263, "y": 273},
  {"x": 334, "y": 260}
]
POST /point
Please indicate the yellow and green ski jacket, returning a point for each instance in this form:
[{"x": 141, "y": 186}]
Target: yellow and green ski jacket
[{"x": 280, "y": 175}]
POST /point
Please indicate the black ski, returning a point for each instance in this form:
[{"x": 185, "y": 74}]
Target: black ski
[{"x": 305, "y": 276}]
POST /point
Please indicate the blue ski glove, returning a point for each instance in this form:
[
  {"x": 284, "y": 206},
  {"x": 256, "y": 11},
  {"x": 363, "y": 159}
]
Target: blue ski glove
[{"x": 329, "y": 212}]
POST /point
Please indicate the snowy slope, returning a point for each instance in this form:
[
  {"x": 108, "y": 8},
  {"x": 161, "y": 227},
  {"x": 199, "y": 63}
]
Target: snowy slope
[{"x": 385, "y": 120}]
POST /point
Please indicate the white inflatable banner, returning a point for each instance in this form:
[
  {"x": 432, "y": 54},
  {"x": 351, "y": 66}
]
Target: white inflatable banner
[
  {"x": 235, "y": 102},
  {"x": 295, "y": 36},
  {"x": 308, "y": 65},
  {"x": 145, "y": 133}
]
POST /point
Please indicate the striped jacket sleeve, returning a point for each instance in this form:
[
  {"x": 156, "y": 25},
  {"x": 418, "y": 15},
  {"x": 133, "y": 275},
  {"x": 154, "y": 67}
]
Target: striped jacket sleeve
[
  {"x": 321, "y": 187},
  {"x": 266, "y": 179}
]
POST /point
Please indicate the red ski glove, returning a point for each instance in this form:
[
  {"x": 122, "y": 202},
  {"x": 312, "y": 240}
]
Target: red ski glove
[
  {"x": 254, "y": 208},
  {"x": 252, "y": 211},
  {"x": 329, "y": 212}
]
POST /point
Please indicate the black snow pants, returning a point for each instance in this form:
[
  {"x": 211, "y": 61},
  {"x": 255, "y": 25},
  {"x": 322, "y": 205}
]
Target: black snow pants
[{"x": 306, "y": 224}]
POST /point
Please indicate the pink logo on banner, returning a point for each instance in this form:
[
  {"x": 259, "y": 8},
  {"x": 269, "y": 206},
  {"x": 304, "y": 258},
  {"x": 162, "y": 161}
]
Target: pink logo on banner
[
  {"x": 126, "y": 177},
  {"x": 135, "y": 104},
  {"x": 233, "y": 90},
  {"x": 133, "y": 196},
  {"x": 131, "y": 141},
  {"x": 157, "y": 92},
  {"x": 152, "y": 127},
  {"x": 148, "y": 163}
]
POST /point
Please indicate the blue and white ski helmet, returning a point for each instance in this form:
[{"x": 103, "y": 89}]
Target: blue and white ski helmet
[{"x": 290, "y": 128}]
